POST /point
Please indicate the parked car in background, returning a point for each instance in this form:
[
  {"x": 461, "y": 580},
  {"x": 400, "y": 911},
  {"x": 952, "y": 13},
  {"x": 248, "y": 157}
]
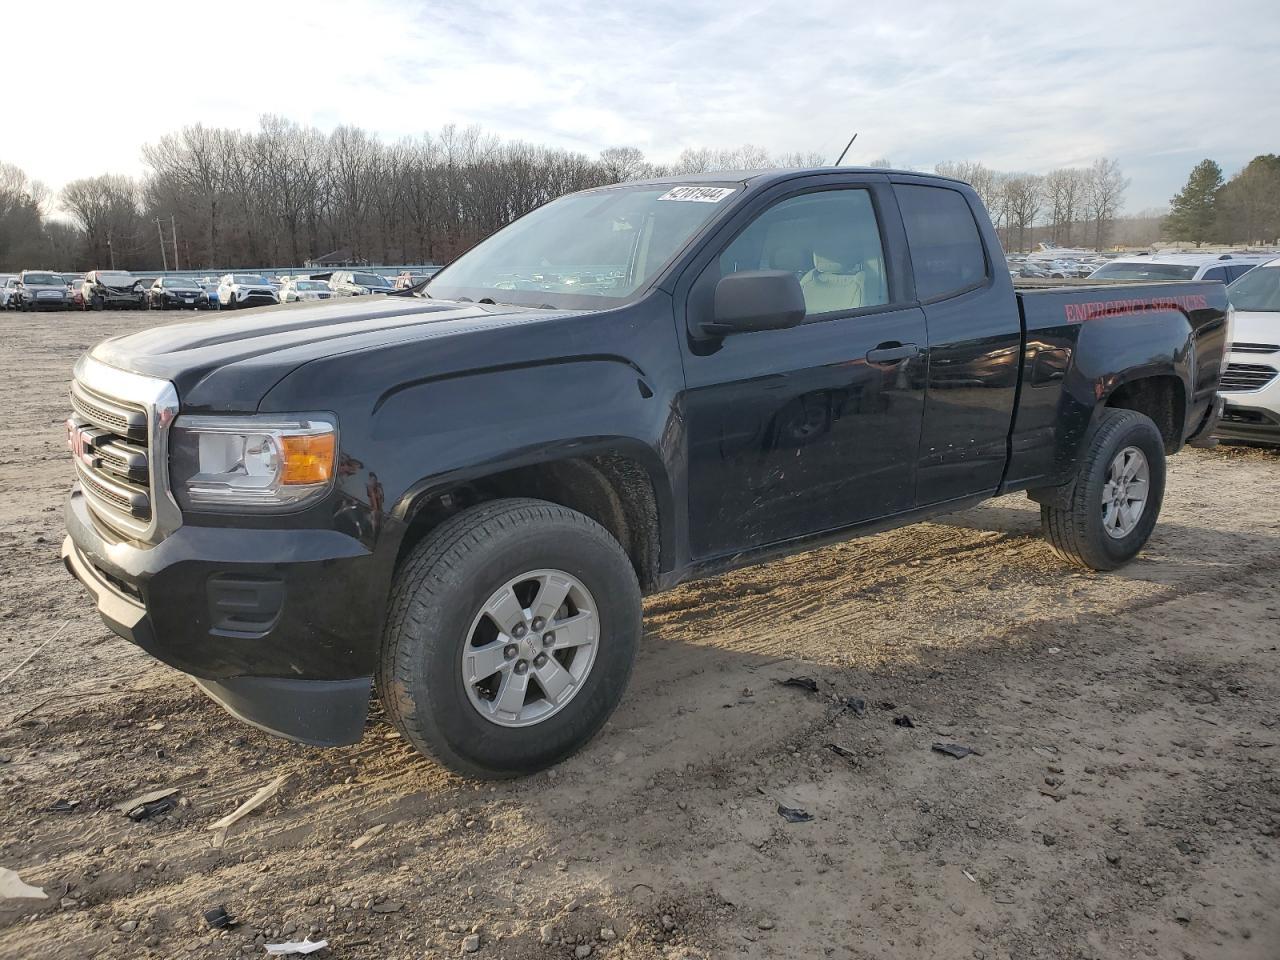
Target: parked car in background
[
  {"x": 356, "y": 283},
  {"x": 413, "y": 278},
  {"x": 8, "y": 286},
  {"x": 304, "y": 289},
  {"x": 177, "y": 293},
  {"x": 1251, "y": 383},
  {"x": 41, "y": 290},
  {"x": 112, "y": 289},
  {"x": 1224, "y": 267},
  {"x": 210, "y": 287},
  {"x": 1033, "y": 271},
  {"x": 245, "y": 290}
]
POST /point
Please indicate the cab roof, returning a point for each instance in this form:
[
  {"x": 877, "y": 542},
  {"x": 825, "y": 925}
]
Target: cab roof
[{"x": 774, "y": 175}]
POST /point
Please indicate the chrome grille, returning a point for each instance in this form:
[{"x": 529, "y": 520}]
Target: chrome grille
[
  {"x": 1255, "y": 348},
  {"x": 1247, "y": 376},
  {"x": 118, "y": 434}
]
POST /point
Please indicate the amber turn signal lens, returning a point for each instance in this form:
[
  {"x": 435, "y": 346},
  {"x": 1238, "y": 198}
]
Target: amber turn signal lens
[{"x": 307, "y": 459}]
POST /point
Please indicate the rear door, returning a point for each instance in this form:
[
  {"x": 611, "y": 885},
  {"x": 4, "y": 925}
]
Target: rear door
[
  {"x": 974, "y": 338},
  {"x": 813, "y": 428}
]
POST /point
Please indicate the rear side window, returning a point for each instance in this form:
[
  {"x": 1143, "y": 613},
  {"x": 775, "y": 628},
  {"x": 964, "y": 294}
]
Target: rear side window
[
  {"x": 1215, "y": 273},
  {"x": 946, "y": 248}
]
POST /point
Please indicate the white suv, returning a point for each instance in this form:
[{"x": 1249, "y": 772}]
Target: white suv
[
  {"x": 1251, "y": 384},
  {"x": 1227, "y": 267},
  {"x": 245, "y": 290}
]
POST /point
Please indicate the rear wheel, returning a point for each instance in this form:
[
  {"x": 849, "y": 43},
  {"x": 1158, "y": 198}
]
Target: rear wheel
[
  {"x": 1118, "y": 492},
  {"x": 510, "y": 637}
]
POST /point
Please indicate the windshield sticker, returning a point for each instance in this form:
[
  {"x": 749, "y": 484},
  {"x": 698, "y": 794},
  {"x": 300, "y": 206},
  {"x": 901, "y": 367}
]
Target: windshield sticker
[{"x": 697, "y": 194}]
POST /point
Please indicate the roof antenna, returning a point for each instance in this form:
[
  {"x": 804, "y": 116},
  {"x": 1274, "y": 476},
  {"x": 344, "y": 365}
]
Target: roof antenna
[{"x": 845, "y": 150}]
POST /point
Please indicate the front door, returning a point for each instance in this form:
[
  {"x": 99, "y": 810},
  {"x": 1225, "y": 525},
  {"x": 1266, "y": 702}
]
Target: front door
[{"x": 813, "y": 428}]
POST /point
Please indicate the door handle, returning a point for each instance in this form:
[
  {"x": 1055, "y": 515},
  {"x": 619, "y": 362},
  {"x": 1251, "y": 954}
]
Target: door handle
[{"x": 892, "y": 352}]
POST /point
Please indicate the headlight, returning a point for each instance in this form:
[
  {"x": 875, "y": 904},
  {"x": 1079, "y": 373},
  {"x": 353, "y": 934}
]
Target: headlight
[{"x": 265, "y": 462}]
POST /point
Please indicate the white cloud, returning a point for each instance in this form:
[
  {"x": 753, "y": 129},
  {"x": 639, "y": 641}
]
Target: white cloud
[{"x": 1159, "y": 85}]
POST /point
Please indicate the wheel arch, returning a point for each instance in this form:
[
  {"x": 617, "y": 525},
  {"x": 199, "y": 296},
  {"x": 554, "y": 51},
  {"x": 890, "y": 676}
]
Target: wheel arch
[
  {"x": 1161, "y": 396},
  {"x": 616, "y": 485}
]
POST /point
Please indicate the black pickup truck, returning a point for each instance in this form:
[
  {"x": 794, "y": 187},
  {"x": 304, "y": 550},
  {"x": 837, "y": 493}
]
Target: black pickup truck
[{"x": 462, "y": 495}]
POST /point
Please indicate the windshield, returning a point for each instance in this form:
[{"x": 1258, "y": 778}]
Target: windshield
[
  {"x": 370, "y": 280},
  {"x": 181, "y": 283},
  {"x": 1258, "y": 290},
  {"x": 249, "y": 278},
  {"x": 311, "y": 285},
  {"x": 1145, "y": 271},
  {"x": 43, "y": 279},
  {"x": 583, "y": 248}
]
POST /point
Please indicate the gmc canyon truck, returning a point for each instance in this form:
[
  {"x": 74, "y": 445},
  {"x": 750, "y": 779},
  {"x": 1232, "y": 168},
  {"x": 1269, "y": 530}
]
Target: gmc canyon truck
[{"x": 461, "y": 497}]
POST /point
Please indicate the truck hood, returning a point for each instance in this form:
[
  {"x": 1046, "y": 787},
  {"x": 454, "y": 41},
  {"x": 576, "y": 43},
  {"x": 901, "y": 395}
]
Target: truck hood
[{"x": 229, "y": 363}]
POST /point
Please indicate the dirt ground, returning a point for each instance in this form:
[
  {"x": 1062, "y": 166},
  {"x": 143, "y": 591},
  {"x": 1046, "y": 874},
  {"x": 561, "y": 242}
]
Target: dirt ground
[{"x": 1125, "y": 801}]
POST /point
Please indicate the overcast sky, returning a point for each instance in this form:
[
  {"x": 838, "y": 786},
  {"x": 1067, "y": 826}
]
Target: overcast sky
[{"x": 1020, "y": 86}]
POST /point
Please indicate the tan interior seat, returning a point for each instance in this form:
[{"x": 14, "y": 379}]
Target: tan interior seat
[{"x": 847, "y": 270}]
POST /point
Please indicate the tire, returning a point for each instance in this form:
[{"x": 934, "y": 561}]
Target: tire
[
  {"x": 437, "y": 612},
  {"x": 1078, "y": 531}
]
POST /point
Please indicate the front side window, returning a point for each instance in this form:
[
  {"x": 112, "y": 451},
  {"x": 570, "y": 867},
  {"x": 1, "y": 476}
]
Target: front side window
[
  {"x": 942, "y": 235},
  {"x": 829, "y": 239},
  {"x": 587, "y": 249},
  {"x": 1257, "y": 291}
]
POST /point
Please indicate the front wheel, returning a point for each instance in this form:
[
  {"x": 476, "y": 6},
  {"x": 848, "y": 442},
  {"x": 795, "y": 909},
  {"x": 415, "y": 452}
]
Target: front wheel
[
  {"x": 510, "y": 636},
  {"x": 1115, "y": 503}
]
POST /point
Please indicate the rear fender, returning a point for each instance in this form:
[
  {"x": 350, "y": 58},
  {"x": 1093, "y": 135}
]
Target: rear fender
[{"x": 1084, "y": 363}]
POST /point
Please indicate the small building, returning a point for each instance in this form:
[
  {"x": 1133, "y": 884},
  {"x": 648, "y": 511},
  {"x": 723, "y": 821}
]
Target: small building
[{"x": 336, "y": 258}]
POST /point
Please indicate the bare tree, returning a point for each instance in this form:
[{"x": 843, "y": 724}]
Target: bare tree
[
  {"x": 620, "y": 164},
  {"x": 1064, "y": 190},
  {"x": 1023, "y": 195},
  {"x": 106, "y": 209},
  {"x": 1103, "y": 197}
]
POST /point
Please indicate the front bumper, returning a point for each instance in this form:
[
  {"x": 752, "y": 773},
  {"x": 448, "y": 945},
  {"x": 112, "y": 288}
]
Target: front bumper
[
  {"x": 47, "y": 303},
  {"x": 1249, "y": 423},
  {"x": 1252, "y": 414},
  {"x": 285, "y": 642},
  {"x": 114, "y": 299},
  {"x": 254, "y": 298}
]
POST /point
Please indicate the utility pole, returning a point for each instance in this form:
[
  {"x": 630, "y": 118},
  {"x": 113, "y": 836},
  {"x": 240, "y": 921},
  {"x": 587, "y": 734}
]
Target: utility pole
[
  {"x": 173, "y": 229},
  {"x": 160, "y": 233},
  {"x": 111, "y": 253}
]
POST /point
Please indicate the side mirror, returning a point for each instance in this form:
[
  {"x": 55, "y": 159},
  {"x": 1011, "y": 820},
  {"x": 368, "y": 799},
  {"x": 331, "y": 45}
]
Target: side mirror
[{"x": 756, "y": 300}]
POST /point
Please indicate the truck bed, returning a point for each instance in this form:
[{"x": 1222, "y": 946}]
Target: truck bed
[{"x": 1075, "y": 331}]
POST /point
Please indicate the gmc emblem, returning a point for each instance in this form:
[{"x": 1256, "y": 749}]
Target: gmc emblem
[{"x": 80, "y": 442}]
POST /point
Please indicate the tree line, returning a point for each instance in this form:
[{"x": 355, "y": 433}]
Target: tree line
[
  {"x": 1242, "y": 210},
  {"x": 1076, "y": 205},
  {"x": 286, "y": 193}
]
